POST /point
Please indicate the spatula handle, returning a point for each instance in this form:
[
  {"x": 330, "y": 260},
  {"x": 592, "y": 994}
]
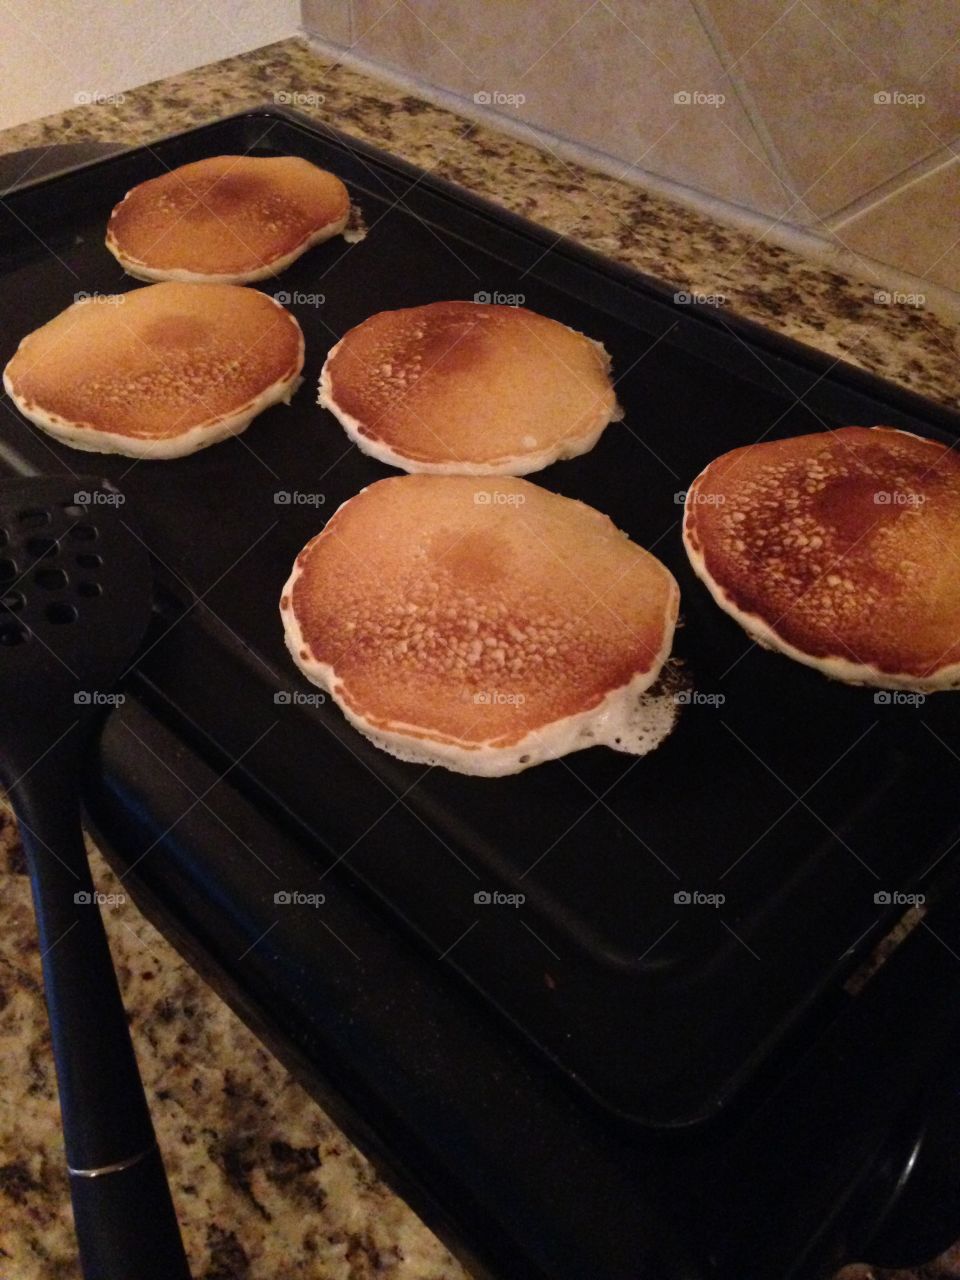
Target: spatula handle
[{"x": 125, "y": 1222}]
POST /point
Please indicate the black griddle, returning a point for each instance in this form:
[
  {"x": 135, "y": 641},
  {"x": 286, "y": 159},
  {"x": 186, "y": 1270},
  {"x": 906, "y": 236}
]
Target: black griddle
[{"x": 648, "y": 1018}]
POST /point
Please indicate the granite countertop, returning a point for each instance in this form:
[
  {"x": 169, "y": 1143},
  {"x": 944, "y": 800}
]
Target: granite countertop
[{"x": 264, "y": 1183}]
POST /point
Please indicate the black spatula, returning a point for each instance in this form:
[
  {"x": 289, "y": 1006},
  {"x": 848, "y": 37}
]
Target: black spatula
[{"x": 75, "y": 589}]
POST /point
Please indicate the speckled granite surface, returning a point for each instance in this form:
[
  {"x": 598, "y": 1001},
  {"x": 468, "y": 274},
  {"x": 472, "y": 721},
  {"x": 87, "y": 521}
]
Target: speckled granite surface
[{"x": 265, "y": 1184}]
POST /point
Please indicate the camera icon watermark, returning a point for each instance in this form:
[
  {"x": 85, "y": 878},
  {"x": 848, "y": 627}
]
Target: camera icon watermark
[
  {"x": 696, "y": 898},
  {"x": 295, "y": 498},
  {"x": 298, "y": 698},
  {"x": 100, "y": 299},
  {"x": 694, "y": 698},
  {"x": 84, "y": 898},
  {"x": 298, "y": 98},
  {"x": 695, "y": 98},
  {"x": 498, "y": 498},
  {"x": 299, "y": 299},
  {"x": 699, "y": 498},
  {"x": 96, "y": 98},
  {"x": 294, "y": 898},
  {"x": 699, "y": 298},
  {"x": 898, "y": 698},
  {"x": 498, "y": 298},
  {"x": 497, "y": 98},
  {"x": 484, "y": 897},
  {"x": 96, "y": 698},
  {"x": 498, "y": 698},
  {"x": 896, "y": 298},
  {"x": 896, "y": 98},
  {"x": 98, "y": 498},
  {"x": 886, "y": 898},
  {"x": 898, "y": 498}
]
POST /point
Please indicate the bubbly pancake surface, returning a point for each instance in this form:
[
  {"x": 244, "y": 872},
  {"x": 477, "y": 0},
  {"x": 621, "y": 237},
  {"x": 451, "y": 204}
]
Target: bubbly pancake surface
[
  {"x": 480, "y": 624},
  {"x": 469, "y": 388},
  {"x": 157, "y": 371},
  {"x": 841, "y": 548},
  {"x": 227, "y": 218}
]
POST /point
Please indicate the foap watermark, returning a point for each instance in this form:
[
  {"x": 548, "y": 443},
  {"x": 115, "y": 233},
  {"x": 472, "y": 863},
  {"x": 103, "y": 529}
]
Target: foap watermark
[
  {"x": 299, "y": 299},
  {"x": 897, "y": 98},
  {"x": 498, "y": 498},
  {"x": 698, "y": 298},
  {"x": 898, "y": 698},
  {"x": 94, "y": 898},
  {"x": 98, "y": 498},
  {"x": 696, "y": 98},
  {"x": 899, "y": 498},
  {"x": 299, "y": 98},
  {"x": 298, "y": 698},
  {"x": 295, "y": 498},
  {"x": 294, "y": 898},
  {"x": 698, "y": 498},
  {"x": 498, "y": 98},
  {"x": 96, "y": 698},
  {"x": 694, "y": 698},
  {"x": 102, "y": 299},
  {"x": 696, "y": 898},
  {"x": 95, "y": 98},
  {"x": 894, "y": 898},
  {"x": 498, "y": 698},
  {"x": 896, "y": 298},
  {"x": 488, "y": 897},
  {"x": 498, "y": 299}
]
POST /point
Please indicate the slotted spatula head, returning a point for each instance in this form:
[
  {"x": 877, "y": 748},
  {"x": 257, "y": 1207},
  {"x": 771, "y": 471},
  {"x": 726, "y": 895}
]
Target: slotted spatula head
[{"x": 75, "y": 594}]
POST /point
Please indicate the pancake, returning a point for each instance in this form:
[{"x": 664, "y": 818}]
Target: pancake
[
  {"x": 840, "y": 549},
  {"x": 157, "y": 372},
  {"x": 485, "y": 626},
  {"x": 227, "y": 219},
  {"x": 469, "y": 388}
]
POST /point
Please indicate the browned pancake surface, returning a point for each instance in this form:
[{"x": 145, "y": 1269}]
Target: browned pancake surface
[
  {"x": 156, "y": 361},
  {"x": 476, "y": 620},
  {"x": 470, "y": 382},
  {"x": 226, "y": 215},
  {"x": 845, "y": 543}
]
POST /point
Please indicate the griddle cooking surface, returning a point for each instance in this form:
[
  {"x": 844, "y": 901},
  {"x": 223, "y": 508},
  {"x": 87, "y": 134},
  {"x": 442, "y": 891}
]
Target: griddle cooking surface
[{"x": 796, "y": 799}]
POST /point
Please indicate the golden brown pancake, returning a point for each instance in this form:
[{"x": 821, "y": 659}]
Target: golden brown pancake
[
  {"x": 227, "y": 219},
  {"x": 468, "y": 388},
  {"x": 157, "y": 372},
  {"x": 840, "y": 549},
  {"x": 483, "y": 625}
]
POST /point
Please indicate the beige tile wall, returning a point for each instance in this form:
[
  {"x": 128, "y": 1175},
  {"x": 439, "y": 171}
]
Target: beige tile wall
[{"x": 838, "y": 116}]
